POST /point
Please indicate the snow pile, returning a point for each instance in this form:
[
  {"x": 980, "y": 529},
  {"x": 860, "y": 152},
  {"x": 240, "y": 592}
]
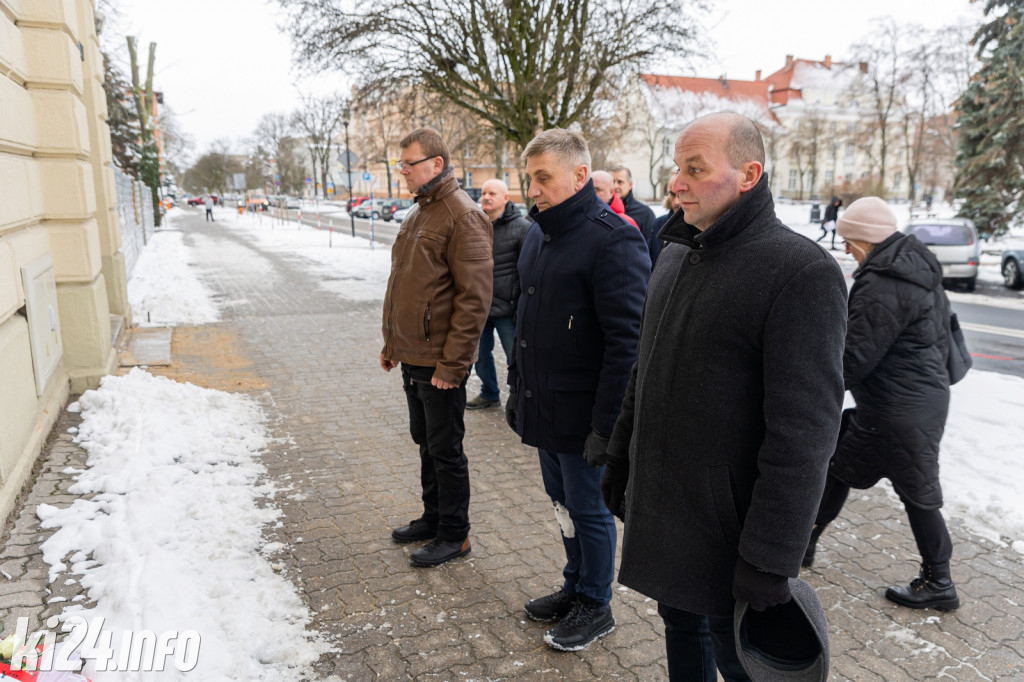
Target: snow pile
[
  {"x": 164, "y": 290},
  {"x": 170, "y": 535},
  {"x": 349, "y": 266}
]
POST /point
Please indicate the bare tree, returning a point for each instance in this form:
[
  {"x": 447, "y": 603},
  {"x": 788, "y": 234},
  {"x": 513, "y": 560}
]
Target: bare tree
[
  {"x": 521, "y": 67},
  {"x": 275, "y": 135},
  {"x": 319, "y": 119}
]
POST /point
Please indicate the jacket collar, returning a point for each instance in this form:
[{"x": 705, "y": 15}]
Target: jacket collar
[
  {"x": 510, "y": 213},
  {"x": 751, "y": 205},
  {"x": 441, "y": 186},
  {"x": 568, "y": 212}
]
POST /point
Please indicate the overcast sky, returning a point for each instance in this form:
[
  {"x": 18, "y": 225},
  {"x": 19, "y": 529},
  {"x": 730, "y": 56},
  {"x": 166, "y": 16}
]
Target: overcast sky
[{"x": 221, "y": 64}]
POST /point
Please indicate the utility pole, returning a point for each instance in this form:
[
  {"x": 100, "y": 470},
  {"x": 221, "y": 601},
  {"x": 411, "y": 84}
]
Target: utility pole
[{"x": 348, "y": 168}]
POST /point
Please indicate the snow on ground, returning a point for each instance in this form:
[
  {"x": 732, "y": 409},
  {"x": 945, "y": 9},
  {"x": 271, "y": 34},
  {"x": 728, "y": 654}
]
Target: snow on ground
[
  {"x": 167, "y": 533},
  {"x": 163, "y": 289}
]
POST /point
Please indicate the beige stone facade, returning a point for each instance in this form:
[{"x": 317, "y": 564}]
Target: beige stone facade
[{"x": 62, "y": 275}]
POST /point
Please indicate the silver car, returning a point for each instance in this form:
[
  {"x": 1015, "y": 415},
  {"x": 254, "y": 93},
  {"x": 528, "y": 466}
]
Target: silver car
[{"x": 954, "y": 242}]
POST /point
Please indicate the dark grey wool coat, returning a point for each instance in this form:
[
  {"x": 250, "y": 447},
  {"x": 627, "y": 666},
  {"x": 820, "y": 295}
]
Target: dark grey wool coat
[
  {"x": 733, "y": 407},
  {"x": 895, "y": 366}
]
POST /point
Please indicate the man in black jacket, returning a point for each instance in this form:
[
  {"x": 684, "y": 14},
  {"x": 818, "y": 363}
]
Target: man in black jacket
[
  {"x": 583, "y": 271},
  {"x": 509, "y": 231},
  {"x": 641, "y": 213},
  {"x": 718, "y": 459}
]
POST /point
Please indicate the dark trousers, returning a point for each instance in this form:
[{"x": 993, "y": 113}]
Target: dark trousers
[
  {"x": 436, "y": 424},
  {"x": 696, "y": 645},
  {"x": 209, "y": 214},
  {"x": 928, "y": 526},
  {"x": 484, "y": 366},
  {"x": 588, "y": 528},
  {"x": 825, "y": 232}
]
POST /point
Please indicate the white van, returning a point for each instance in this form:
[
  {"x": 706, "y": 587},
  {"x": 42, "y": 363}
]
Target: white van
[{"x": 955, "y": 244}]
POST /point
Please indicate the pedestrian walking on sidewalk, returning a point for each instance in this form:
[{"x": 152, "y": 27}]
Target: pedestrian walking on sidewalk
[
  {"x": 583, "y": 271},
  {"x": 509, "y": 231},
  {"x": 828, "y": 224},
  {"x": 895, "y": 366},
  {"x": 717, "y": 461},
  {"x": 435, "y": 306},
  {"x": 208, "y": 202}
]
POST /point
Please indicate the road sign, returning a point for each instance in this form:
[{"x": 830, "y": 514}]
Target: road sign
[
  {"x": 348, "y": 159},
  {"x": 366, "y": 176},
  {"x": 309, "y": 181}
]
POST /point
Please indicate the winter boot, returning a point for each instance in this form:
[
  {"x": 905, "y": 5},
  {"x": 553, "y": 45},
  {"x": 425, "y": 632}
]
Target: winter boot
[
  {"x": 933, "y": 589},
  {"x": 816, "y": 532}
]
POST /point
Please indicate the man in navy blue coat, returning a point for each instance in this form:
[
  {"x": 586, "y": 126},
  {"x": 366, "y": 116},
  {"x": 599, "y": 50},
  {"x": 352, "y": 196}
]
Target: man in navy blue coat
[{"x": 583, "y": 272}]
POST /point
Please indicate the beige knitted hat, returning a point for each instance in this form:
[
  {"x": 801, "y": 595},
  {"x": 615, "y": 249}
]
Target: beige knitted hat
[{"x": 869, "y": 219}]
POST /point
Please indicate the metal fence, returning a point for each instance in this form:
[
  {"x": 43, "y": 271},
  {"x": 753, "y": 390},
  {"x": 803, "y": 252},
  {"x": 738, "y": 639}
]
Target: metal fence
[{"x": 135, "y": 208}]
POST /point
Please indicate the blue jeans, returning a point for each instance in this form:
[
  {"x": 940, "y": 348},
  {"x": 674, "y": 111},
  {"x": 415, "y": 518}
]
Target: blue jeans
[
  {"x": 588, "y": 529},
  {"x": 696, "y": 643},
  {"x": 484, "y": 366}
]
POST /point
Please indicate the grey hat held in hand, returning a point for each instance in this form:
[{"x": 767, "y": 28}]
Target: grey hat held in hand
[{"x": 786, "y": 643}]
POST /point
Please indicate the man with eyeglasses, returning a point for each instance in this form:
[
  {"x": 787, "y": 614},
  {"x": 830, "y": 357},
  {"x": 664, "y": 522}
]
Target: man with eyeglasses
[{"x": 437, "y": 300}]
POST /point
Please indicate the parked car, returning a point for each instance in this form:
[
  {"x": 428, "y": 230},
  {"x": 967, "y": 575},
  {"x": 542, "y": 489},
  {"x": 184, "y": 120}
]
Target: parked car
[
  {"x": 355, "y": 201},
  {"x": 367, "y": 208},
  {"x": 201, "y": 201},
  {"x": 954, "y": 242},
  {"x": 389, "y": 207},
  {"x": 399, "y": 215},
  {"x": 523, "y": 210},
  {"x": 1010, "y": 265}
]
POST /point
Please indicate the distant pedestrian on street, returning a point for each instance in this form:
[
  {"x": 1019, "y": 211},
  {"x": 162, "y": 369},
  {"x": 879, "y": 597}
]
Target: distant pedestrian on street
[
  {"x": 583, "y": 271},
  {"x": 895, "y": 366},
  {"x": 208, "y": 202},
  {"x": 604, "y": 185},
  {"x": 671, "y": 202},
  {"x": 436, "y": 303},
  {"x": 718, "y": 459},
  {"x": 509, "y": 232},
  {"x": 828, "y": 224},
  {"x": 638, "y": 211}
]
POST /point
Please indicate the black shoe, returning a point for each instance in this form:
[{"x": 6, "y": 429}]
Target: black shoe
[
  {"x": 416, "y": 531},
  {"x": 481, "y": 402},
  {"x": 437, "y": 552},
  {"x": 552, "y": 607},
  {"x": 932, "y": 589},
  {"x": 584, "y": 624}
]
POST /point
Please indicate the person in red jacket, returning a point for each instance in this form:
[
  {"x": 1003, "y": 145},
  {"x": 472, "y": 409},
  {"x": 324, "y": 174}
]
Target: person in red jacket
[{"x": 604, "y": 185}]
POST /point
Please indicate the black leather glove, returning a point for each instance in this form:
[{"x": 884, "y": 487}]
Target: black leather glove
[
  {"x": 613, "y": 487},
  {"x": 758, "y": 588},
  {"x": 510, "y": 408},
  {"x": 595, "y": 449}
]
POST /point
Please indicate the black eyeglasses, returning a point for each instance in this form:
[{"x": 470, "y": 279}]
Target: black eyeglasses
[{"x": 403, "y": 164}]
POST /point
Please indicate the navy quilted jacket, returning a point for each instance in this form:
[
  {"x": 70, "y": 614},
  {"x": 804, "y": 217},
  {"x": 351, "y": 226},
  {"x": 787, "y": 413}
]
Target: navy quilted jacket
[{"x": 897, "y": 340}]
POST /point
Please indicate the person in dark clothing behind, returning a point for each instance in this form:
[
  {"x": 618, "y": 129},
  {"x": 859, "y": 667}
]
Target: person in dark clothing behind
[
  {"x": 509, "y": 231},
  {"x": 671, "y": 202},
  {"x": 897, "y": 343},
  {"x": 640, "y": 212},
  {"x": 718, "y": 458},
  {"x": 828, "y": 223},
  {"x": 583, "y": 272}
]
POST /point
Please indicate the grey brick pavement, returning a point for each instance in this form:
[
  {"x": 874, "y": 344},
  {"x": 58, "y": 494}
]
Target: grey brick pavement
[{"x": 350, "y": 473}]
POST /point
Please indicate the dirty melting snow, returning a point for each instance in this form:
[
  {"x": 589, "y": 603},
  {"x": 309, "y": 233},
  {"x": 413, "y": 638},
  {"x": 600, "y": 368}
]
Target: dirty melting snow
[{"x": 167, "y": 535}]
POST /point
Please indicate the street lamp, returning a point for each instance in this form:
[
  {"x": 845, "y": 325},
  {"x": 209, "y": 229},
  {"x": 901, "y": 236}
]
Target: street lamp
[{"x": 348, "y": 167}]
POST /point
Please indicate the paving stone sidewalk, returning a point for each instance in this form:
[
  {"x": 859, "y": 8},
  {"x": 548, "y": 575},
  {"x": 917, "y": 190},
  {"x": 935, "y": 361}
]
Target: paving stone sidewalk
[{"x": 350, "y": 472}]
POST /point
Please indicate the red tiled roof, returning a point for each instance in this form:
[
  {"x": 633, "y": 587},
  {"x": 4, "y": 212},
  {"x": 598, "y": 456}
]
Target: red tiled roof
[{"x": 724, "y": 88}]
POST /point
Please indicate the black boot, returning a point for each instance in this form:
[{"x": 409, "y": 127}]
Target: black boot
[
  {"x": 816, "y": 532},
  {"x": 933, "y": 589}
]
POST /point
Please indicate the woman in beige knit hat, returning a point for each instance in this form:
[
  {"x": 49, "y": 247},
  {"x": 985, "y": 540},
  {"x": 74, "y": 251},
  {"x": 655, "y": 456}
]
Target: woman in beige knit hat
[{"x": 894, "y": 363}]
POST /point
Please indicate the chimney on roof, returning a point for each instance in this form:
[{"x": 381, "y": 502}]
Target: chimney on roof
[
  {"x": 789, "y": 60},
  {"x": 828, "y": 61},
  {"x": 757, "y": 75},
  {"x": 863, "y": 67}
]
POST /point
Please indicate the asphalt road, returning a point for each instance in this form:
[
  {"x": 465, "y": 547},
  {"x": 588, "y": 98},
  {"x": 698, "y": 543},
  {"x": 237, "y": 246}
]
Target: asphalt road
[{"x": 994, "y": 334}]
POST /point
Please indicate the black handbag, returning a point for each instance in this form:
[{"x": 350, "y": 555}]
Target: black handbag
[{"x": 959, "y": 360}]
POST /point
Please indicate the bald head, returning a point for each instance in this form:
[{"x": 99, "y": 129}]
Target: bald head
[
  {"x": 493, "y": 197},
  {"x": 743, "y": 142},
  {"x": 604, "y": 185}
]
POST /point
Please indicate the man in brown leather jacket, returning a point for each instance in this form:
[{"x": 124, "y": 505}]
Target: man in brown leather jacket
[{"x": 437, "y": 300}]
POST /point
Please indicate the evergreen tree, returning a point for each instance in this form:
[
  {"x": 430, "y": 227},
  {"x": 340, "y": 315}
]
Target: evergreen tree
[{"x": 990, "y": 154}]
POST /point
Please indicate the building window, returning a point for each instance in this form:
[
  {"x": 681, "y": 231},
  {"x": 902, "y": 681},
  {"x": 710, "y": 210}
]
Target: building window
[
  {"x": 469, "y": 178},
  {"x": 832, "y": 128},
  {"x": 505, "y": 177},
  {"x": 828, "y": 178},
  {"x": 792, "y": 179},
  {"x": 666, "y": 147},
  {"x": 849, "y": 153},
  {"x": 896, "y": 179},
  {"x": 851, "y": 128}
]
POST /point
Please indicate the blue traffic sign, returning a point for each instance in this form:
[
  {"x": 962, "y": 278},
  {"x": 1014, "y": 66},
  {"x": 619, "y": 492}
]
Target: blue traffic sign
[{"x": 366, "y": 176}]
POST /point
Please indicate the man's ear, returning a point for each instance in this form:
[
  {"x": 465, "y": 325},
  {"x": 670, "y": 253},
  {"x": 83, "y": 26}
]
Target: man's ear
[
  {"x": 582, "y": 174},
  {"x": 749, "y": 175}
]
